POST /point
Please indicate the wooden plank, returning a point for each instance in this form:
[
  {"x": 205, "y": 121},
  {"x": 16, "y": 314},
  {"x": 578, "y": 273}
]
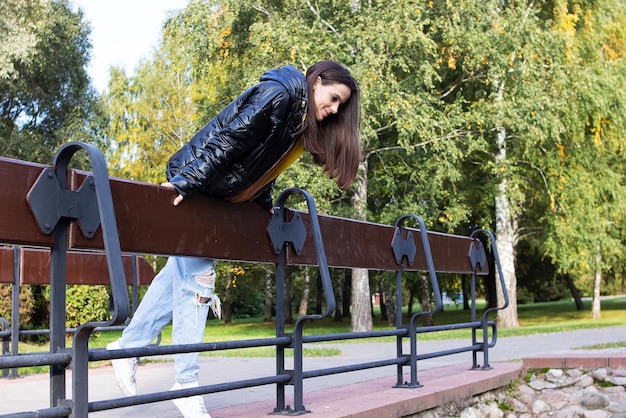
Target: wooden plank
[
  {"x": 148, "y": 223},
  {"x": 213, "y": 228},
  {"x": 350, "y": 243},
  {"x": 83, "y": 268},
  {"x": 17, "y": 225},
  {"x": 6, "y": 265}
]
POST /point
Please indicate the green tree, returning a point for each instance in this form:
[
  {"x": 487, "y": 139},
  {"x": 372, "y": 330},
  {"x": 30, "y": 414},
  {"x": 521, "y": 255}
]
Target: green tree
[
  {"x": 45, "y": 93},
  {"x": 585, "y": 223},
  {"x": 509, "y": 69},
  {"x": 151, "y": 114},
  {"x": 474, "y": 113}
]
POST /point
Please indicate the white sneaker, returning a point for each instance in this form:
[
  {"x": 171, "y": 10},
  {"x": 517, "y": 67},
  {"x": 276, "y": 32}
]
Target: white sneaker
[
  {"x": 191, "y": 407},
  {"x": 125, "y": 369}
]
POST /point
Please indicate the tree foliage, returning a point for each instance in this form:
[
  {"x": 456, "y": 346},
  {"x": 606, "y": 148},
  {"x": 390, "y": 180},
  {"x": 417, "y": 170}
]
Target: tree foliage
[
  {"x": 587, "y": 207},
  {"x": 464, "y": 104},
  {"x": 45, "y": 93},
  {"x": 46, "y": 99}
]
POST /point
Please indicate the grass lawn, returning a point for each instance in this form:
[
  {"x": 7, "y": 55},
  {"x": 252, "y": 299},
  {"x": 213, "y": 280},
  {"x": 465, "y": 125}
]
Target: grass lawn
[{"x": 537, "y": 318}]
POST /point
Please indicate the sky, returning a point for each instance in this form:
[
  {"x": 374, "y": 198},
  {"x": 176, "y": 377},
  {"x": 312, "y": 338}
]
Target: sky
[{"x": 123, "y": 32}]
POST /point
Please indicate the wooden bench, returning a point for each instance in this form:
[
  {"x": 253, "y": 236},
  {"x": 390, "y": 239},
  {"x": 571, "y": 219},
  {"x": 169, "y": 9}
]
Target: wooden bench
[{"x": 53, "y": 207}]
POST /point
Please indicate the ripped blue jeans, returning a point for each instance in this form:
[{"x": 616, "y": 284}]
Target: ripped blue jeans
[{"x": 176, "y": 294}]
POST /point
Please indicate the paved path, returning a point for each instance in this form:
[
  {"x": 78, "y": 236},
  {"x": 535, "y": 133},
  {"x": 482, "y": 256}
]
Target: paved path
[{"x": 32, "y": 392}]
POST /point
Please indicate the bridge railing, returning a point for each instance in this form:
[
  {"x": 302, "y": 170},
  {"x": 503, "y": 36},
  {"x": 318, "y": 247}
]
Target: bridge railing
[
  {"x": 31, "y": 266},
  {"x": 65, "y": 210}
]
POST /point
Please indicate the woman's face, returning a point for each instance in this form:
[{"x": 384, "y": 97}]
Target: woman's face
[{"x": 327, "y": 98}]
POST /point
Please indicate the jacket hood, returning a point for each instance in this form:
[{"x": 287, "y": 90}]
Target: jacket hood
[{"x": 293, "y": 80}]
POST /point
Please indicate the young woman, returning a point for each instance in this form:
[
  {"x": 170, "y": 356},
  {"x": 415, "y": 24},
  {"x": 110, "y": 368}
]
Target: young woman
[{"x": 237, "y": 156}]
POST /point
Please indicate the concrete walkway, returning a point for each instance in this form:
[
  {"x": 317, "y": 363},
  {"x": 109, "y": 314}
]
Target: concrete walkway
[{"x": 32, "y": 392}]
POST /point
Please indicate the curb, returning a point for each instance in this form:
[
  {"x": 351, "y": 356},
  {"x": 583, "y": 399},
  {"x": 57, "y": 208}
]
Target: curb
[
  {"x": 379, "y": 398},
  {"x": 575, "y": 361}
]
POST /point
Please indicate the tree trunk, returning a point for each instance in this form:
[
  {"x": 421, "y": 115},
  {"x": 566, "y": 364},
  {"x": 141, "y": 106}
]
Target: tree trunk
[
  {"x": 304, "y": 300},
  {"x": 595, "y": 303},
  {"x": 505, "y": 238},
  {"x": 382, "y": 303},
  {"x": 426, "y": 300},
  {"x": 578, "y": 300},
  {"x": 506, "y": 230},
  {"x": 227, "y": 306},
  {"x": 361, "y": 303},
  {"x": 346, "y": 290},
  {"x": 390, "y": 306},
  {"x": 267, "y": 313},
  {"x": 490, "y": 279},
  {"x": 339, "y": 298},
  {"x": 319, "y": 294},
  {"x": 465, "y": 293},
  {"x": 409, "y": 307},
  {"x": 287, "y": 305},
  {"x": 361, "y": 299}
]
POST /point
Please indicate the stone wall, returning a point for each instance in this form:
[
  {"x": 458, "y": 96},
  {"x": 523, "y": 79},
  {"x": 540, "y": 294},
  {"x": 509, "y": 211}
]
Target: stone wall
[
  {"x": 548, "y": 392},
  {"x": 571, "y": 393}
]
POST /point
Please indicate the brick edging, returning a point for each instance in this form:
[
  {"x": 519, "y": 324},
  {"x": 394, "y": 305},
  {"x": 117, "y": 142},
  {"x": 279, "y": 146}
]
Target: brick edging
[{"x": 575, "y": 361}]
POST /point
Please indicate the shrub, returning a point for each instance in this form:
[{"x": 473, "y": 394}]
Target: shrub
[
  {"x": 26, "y": 304},
  {"x": 86, "y": 303}
]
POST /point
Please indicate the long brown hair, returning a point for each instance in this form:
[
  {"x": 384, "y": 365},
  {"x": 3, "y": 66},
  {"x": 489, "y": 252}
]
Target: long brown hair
[{"x": 334, "y": 142}]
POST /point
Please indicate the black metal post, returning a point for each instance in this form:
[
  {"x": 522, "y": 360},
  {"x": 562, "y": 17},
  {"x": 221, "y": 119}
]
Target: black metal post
[
  {"x": 15, "y": 308},
  {"x": 58, "y": 261},
  {"x": 280, "y": 329},
  {"x": 406, "y": 247}
]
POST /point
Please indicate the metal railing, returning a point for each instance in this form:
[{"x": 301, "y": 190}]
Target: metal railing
[
  {"x": 53, "y": 185},
  {"x": 10, "y": 334}
]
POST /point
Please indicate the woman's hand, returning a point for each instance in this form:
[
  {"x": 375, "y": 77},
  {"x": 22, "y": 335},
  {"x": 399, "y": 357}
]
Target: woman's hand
[{"x": 178, "y": 198}]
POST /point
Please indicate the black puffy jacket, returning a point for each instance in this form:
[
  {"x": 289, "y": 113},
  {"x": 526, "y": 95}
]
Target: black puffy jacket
[{"x": 244, "y": 140}]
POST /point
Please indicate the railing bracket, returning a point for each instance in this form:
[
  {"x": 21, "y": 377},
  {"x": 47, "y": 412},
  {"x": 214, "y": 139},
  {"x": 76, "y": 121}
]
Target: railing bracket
[{"x": 50, "y": 202}]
